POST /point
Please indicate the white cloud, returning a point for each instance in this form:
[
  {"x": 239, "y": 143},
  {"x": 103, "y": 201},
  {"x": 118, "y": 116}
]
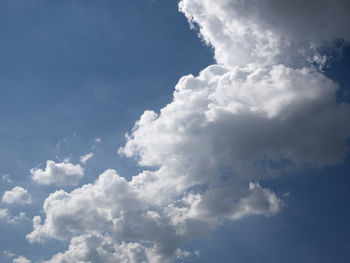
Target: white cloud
[
  {"x": 103, "y": 249},
  {"x": 257, "y": 114},
  {"x": 252, "y": 121},
  {"x": 243, "y": 123},
  {"x": 21, "y": 259},
  {"x": 60, "y": 174},
  {"x": 125, "y": 211},
  {"x": 6, "y": 216},
  {"x": 86, "y": 157},
  {"x": 17, "y": 195},
  {"x": 244, "y": 31}
]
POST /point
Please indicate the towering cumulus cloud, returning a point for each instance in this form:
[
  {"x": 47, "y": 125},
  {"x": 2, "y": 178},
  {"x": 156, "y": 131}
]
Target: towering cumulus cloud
[{"x": 262, "y": 111}]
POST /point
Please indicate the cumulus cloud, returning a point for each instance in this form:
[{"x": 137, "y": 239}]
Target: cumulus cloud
[
  {"x": 6, "y": 216},
  {"x": 103, "y": 249},
  {"x": 258, "y": 113},
  {"x": 21, "y": 259},
  {"x": 61, "y": 174},
  {"x": 86, "y": 157},
  {"x": 247, "y": 31},
  {"x": 124, "y": 211},
  {"x": 253, "y": 121},
  {"x": 17, "y": 195}
]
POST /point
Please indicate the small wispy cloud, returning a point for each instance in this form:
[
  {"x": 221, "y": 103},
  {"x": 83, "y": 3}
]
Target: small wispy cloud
[
  {"x": 86, "y": 157},
  {"x": 7, "y": 217},
  {"x": 6, "y": 178}
]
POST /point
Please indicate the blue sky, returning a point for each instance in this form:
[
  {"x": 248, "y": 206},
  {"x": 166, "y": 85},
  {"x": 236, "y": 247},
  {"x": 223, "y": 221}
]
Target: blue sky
[{"x": 209, "y": 171}]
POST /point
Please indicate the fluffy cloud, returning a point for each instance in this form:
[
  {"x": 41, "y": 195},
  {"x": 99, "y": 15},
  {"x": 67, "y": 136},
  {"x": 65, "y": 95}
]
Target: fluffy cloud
[
  {"x": 123, "y": 211},
  {"x": 224, "y": 128},
  {"x": 17, "y": 195},
  {"x": 58, "y": 173},
  {"x": 86, "y": 157},
  {"x": 258, "y": 114},
  {"x": 21, "y": 259},
  {"x": 252, "y": 121},
  {"x": 103, "y": 249},
  {"x": 244, "y": 31},
  {"x": 6, "y": 216}
]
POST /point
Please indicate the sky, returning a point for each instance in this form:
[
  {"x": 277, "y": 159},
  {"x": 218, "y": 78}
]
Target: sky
[{"x": 158, "y": 131}]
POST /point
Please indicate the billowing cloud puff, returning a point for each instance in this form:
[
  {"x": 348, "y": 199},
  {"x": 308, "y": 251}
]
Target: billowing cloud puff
[
  {"x": 103, "y": 249},
  {"x": 257, "y": 114},
  {"x": 252, "y": 121},
  {"x": 122, "y": 211},
  {"x": 246, "y": 31},
  {"x": 17, "y": 195},
  {"x": 223, "y": 129},
  {"x": 58, "y": 173}
]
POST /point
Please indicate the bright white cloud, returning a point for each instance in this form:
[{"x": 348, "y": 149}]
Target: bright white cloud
[
  {"x": 21, "y": 259},
  {"x": 103, "y": 249},
  {"x": 125, "y": 211},
  {"x": 246, "y": 31},
  {"x": 253, "y": 121},
  {"x": 257, "y": 114},
  {"x": 61, "y": 174},
  {"x": 17, "y": 195},
  {"x": 86, "y": 157},
  {"x": 6, "y": 216}
]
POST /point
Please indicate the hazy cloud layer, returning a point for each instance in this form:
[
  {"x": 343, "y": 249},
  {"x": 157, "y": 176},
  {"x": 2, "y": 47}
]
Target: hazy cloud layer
[
  {"x": 60, "y": 174},
  {"x": 17, "y": 195}
]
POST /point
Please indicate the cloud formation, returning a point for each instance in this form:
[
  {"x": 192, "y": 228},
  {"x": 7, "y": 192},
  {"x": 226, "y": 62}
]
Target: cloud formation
[
  {"x": 268, "y": 31},
  {"x": 21, "y": 259},
  {"x": 259, "y": 112},
  {"x": 17, "y": 195},
  {"x": 6, "y": 216},
  {"x": 86, "y": 157},
  {"x": 61, "y": 174},
  {"x": 123, "y": 211},
  {"x": 253, "y": 121}
]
